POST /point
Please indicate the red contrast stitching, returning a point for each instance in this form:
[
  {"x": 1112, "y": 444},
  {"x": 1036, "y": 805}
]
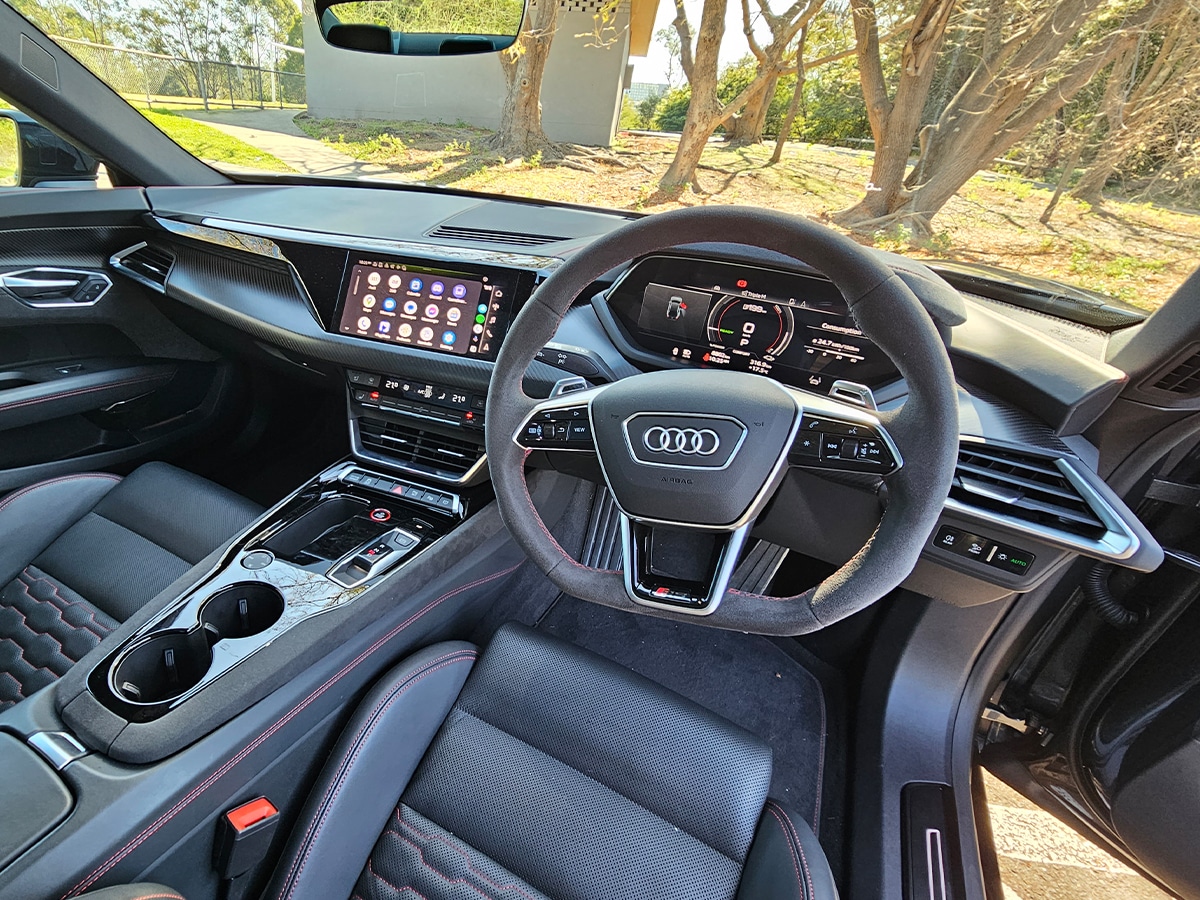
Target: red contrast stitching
[
  {"x": 91, "y": 610},
  {"x": 792, "y": 852},
  {"x": 789, "y": 829},
  {"x": 335, "y": 787},
  {"x": 41, "y": 484},
  {"x": 16, "y": 404},
  {"x": 395, "y": 887},
  {"x": 444, "y": 876},
  {"x": 253, "y": 745}
]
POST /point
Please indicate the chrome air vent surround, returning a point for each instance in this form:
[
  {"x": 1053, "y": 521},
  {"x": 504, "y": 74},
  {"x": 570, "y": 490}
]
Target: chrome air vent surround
[
  {"x": 1051, "y": 497},
  {"x": 145, "y": 264}
]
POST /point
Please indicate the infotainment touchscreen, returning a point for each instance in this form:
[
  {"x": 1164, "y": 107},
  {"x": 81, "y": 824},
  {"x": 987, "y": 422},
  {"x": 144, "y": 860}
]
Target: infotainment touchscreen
[{"x": 438, "y": 309}]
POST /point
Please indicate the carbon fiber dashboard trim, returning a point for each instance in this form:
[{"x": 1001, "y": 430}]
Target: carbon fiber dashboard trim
[{"x": 263, "y": 299}]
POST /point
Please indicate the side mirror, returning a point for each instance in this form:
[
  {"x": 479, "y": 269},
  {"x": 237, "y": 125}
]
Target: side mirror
[
  {"x": 32, "y": 155},
  {"x": 420, "y": 27}
]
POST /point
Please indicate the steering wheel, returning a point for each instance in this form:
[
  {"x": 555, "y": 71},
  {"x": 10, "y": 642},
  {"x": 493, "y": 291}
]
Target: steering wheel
[{"x": 693, "y": 456}]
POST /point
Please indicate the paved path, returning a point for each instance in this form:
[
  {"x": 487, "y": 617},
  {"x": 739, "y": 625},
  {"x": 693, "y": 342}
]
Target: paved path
[
  {"x": 274, "y": 131},
  {"x": 1043, "y": 859}
]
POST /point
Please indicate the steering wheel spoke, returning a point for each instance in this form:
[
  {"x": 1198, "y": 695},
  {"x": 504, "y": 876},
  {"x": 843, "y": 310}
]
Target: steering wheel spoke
[{"x": 679, "y": 569}]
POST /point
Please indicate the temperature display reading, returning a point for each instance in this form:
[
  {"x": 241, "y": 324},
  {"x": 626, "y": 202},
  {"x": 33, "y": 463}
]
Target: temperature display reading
[{"x": 794, "y": 327}]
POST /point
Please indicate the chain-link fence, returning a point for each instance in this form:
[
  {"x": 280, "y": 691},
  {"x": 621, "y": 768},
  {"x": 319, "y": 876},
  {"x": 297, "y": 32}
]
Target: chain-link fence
[{"x": 159, "y": 80}]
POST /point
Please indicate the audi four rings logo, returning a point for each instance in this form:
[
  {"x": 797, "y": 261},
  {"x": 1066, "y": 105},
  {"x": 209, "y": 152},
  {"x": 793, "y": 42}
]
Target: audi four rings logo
[{"x": 688, "y": 441}]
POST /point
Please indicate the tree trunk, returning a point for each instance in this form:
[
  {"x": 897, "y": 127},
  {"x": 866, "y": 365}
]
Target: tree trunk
[
  {"x": 520, "y": 134},
  {"x": 894, "y": 122},
  {"x": 704, "y": 109},
  {"x": 789, "y": 118},
  {"x": 747, "y": 126}
]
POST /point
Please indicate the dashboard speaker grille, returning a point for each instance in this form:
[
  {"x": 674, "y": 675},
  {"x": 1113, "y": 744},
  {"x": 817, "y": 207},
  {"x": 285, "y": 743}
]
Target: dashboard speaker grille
[
  {"x": 420, "y": 450},
  {"x": 149, "y": 264},
  {"x": 1183, "y": 377},
  {"x": 487, "y": 236},
  {"x": 1023, "y": 486}
]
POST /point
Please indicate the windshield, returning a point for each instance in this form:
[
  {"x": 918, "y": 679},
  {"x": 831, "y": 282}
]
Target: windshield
[{"x": 1059, "y": 140}]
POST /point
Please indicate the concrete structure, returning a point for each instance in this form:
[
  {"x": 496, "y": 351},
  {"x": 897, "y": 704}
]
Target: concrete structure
[{"x": 581, "y": 92}]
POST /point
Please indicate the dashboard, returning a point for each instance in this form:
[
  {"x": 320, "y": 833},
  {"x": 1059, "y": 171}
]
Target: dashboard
[{"x": 406, "y": 300}]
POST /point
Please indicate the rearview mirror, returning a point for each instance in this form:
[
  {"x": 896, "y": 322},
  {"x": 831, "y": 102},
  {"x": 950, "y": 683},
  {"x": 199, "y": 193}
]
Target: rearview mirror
[
  {"x": 421, "y": 27},
  {"x": 33, "y": 155}
]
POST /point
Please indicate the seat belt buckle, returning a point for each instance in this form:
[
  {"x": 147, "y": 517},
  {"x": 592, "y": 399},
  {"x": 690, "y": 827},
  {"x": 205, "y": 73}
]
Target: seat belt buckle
[{"x": 244, "y": 836}]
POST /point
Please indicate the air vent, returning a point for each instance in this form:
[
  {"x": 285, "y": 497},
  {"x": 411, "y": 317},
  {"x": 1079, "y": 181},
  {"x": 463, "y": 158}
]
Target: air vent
[
  {"x": 147, "y": 264},
  {"x": 487, "y": 236},
  {"x": 1183, "y": 378},
  {"x": 427, "y": 452},
  {"x": 1022, "y": 486}
]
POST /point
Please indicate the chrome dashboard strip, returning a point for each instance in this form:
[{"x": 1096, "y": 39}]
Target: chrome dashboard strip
[{"x": 378, "y": 245}]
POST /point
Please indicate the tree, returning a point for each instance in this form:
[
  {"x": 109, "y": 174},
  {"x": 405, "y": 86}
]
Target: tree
[
  {"x": 1032, "y": 58},
  {"x": 669, "y": 38},
  {"x": 520, "y": 134},
  {"x": 895, "y": 119},
  {"x": 1145, "y": 95},
  {"x": 700, "y": 65},
  {"x": 780, "y": 51},
  {"x": 706, "y": 111}
]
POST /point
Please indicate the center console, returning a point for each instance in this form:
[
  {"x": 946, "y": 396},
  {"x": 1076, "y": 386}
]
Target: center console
[{"x": 317, "y": 551}]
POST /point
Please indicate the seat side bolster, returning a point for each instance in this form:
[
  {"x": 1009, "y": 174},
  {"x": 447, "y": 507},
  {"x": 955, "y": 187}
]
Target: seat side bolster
[
  {"x": 32, "y": 518},
  {"x": 368, "y": 770},
  {"x": 785, "y": 861},
  {"x": 142, "y": 891}
]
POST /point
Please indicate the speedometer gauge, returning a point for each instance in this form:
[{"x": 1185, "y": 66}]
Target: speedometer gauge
[{"x": 745, "y": 325}]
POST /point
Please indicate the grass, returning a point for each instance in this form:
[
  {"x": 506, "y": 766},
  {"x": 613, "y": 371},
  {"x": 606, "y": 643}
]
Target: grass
[
  {"x": 1133, "y": 251},
  {"x": 8, "y": 153},
  {"x": 212, "y": 144}
]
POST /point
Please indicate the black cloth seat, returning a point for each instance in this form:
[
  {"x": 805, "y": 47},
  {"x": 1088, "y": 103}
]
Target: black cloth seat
[
  {"x": 81, "y": 553},
  {"x": 540, "y": 770}
]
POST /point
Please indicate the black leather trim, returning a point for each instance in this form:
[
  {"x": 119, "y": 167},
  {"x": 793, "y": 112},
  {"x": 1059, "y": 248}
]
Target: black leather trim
[
  {"x": 367, "y": 772},
  {"x": 143, "y": 891},
  {"x": 77, "y": 394},
  {"x": 32, "y": 518},
  {"x": 785, "y": 861}
]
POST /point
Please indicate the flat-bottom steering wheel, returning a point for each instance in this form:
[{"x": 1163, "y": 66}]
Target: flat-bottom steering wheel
[{"x": 693, "y": 456}]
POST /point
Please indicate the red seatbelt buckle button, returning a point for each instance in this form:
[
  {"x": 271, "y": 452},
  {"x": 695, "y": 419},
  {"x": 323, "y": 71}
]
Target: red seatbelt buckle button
[{"x": 244, "y": 836}]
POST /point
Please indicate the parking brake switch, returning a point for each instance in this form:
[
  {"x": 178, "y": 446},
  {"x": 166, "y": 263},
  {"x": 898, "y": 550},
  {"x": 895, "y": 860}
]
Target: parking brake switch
[{"x": 374, "y": 557}]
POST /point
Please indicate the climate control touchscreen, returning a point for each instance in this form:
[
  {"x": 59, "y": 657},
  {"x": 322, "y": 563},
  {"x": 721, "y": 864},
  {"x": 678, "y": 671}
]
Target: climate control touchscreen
[{"x": 452, "y": 312}]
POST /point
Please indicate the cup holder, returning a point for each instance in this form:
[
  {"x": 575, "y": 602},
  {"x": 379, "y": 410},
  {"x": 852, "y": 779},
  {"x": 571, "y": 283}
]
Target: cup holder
[
  {"x": 241, "y": 610},
  {"x": 166, "y": 665}
]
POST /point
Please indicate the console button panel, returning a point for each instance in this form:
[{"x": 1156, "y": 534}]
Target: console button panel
[
  {"x": 1004, "y": 557},
  {"x": 438, "y": 402}
]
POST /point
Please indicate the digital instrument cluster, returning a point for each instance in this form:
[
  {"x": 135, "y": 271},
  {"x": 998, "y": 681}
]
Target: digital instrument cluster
[{"x": 796, "y": 328}]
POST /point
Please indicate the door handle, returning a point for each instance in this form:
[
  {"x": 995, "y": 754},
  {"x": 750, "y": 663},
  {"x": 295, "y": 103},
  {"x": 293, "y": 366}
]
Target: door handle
[{"x": 44, "y": 286}]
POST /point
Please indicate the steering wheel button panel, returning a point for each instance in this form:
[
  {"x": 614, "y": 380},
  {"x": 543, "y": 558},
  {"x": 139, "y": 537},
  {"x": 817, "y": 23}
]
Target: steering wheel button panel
[
  {"x": 824, "y": 442},
  {"x": 558, "y": 428}
]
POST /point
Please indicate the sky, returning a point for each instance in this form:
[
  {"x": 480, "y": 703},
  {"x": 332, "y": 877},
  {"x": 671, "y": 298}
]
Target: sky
[{"x": 653, "y": 67}]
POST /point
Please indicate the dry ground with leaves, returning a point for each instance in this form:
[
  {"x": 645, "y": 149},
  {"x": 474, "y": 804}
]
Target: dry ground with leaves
[{"x": 1134, "y": 251}]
